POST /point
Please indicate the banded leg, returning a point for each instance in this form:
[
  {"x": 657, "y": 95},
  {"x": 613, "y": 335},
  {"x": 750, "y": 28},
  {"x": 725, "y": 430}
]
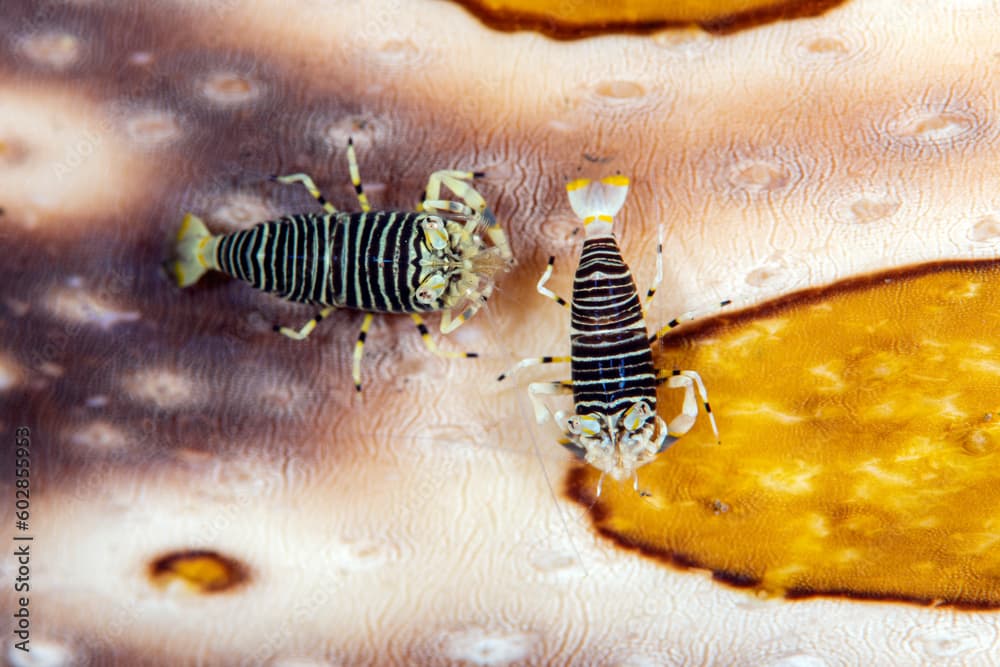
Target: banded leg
[
  {"x": 681, "y": 319},
  {"x": 307, "y": 328},
  {"x": 651, "y": 292},
  {"x": 359, "y": 350},
  {"x": 458, "y": 208},
  {"x": 535, "y": 361},
  {"x": 455, "y": 180},
  {"x": 352, "y": 166},
  {"x": 545, "y": 291},
  {"x": 688, "y": 380},
  {"x": 306, "y": 181},
  {"x": 665, "y": 439},
  {"x": 432, "y": 346},
  {"x": 310, "y": 185}
]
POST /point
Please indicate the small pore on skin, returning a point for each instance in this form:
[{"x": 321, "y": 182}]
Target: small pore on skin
[
  {"x": 575, "y": 20},
  {"x": 860, "y": 429},
  {"x": 197, "y": 571}
]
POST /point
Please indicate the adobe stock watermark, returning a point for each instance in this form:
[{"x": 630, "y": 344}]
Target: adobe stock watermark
[{"x": 22, "y": 539}]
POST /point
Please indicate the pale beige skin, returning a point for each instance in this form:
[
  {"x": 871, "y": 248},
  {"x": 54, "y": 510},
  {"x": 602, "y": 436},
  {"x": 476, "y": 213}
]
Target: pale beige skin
[{"x": 786, "y": 156}]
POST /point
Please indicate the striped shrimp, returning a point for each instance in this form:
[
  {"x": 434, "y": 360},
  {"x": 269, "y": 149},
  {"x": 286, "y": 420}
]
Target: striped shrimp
[
  {"x": 615, "y": 428},
  {"x": 433, "y": 259}
]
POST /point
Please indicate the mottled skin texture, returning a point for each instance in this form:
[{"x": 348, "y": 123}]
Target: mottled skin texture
[{"x": 789, "y": 155}]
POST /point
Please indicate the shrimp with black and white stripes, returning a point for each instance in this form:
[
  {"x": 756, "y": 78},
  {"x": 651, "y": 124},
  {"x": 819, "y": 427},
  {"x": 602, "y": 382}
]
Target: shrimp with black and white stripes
[
  {"x": 615, "y": 428},
  {"x": 441, "y": 257}
]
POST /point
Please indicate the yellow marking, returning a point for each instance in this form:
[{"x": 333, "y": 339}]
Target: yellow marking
[
  {"x": 185, "y": 223},
  {"x": 201, "y": 573},
  {"x": 431, "y": 345},
  {"x": 632, "y": 416},
  {"x": 309, "y": 185},
  {"x": 200, "y": 255},
  {"x": 577, "y": 184},
  {"x": 589, "y": 425},
  {"x": 359, "y": 347},
  {"x": 616, "y": 180},
  {"x": 352, "y": 166}
]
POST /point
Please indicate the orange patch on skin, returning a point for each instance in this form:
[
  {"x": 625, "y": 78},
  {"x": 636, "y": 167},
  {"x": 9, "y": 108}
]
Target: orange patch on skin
[
  {"x": 199, "y": 571},
  {"x": 574, "y": 20},
  {"x": 859, "y": 425}
]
